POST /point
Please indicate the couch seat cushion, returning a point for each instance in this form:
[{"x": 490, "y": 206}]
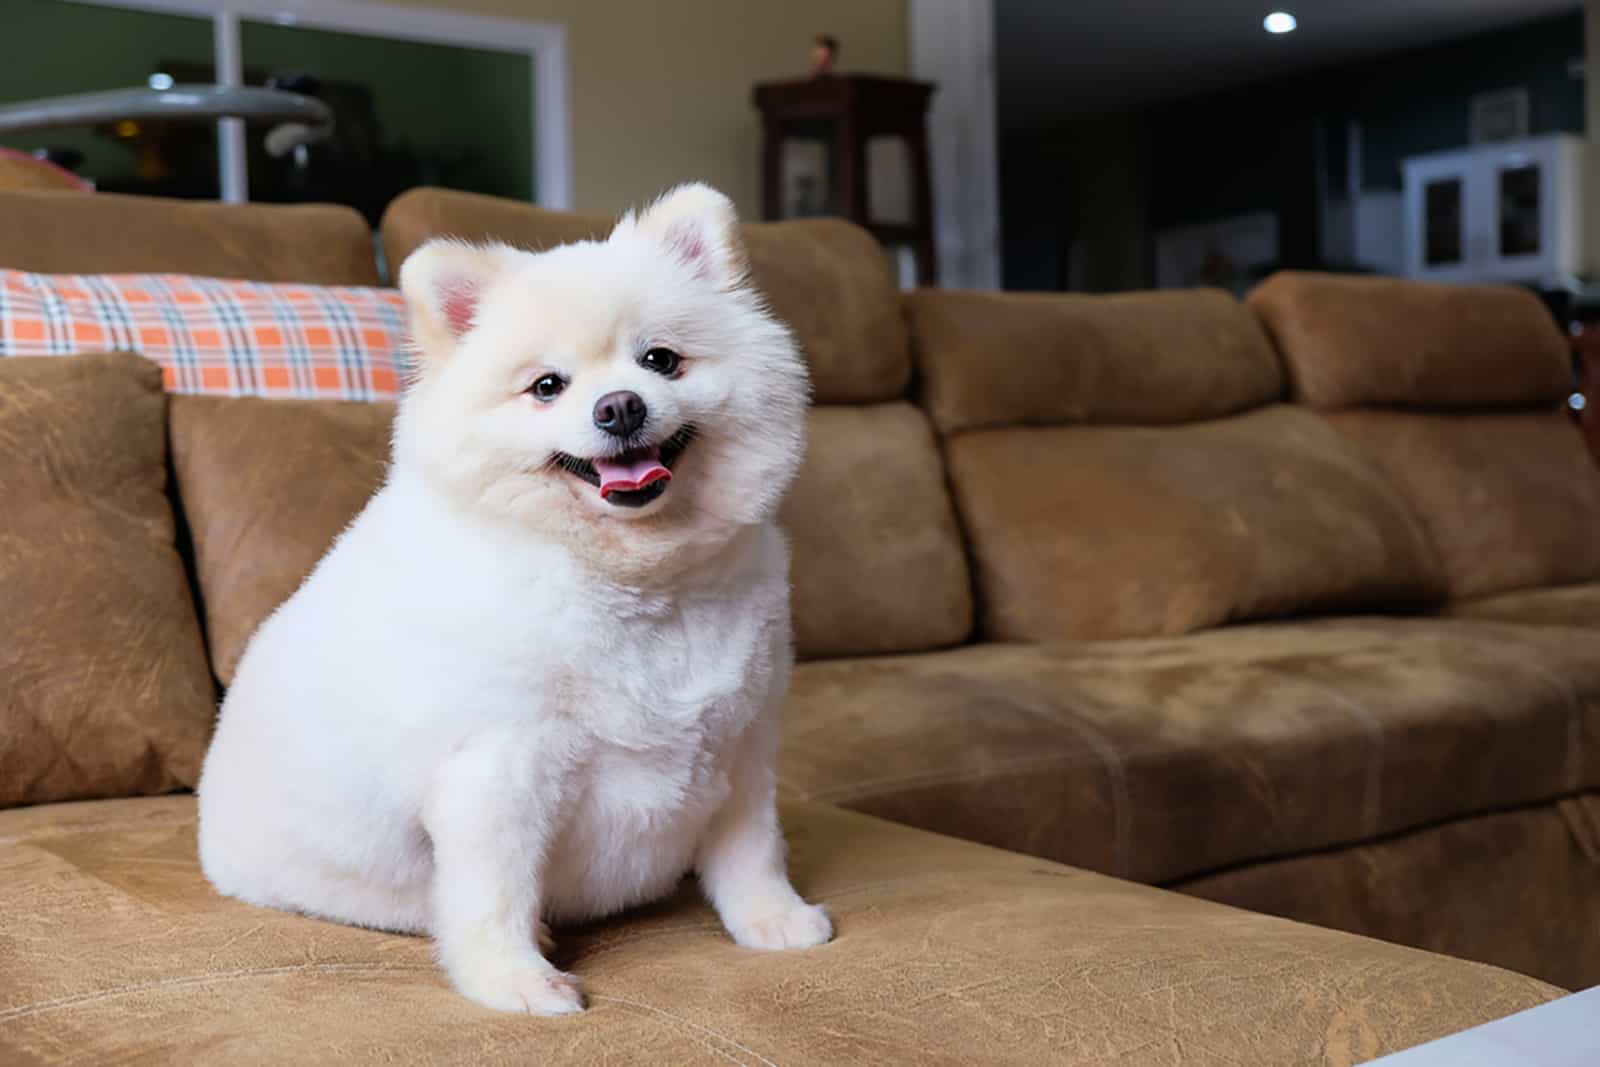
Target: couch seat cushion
[
  {"x": 114, "y": 949},
  {"x": 1566, "y": 605},
  {"x": 104, "y": 689},
  {"x": 1519, "y": 889},
  {"x": 1157, "y": 759}
]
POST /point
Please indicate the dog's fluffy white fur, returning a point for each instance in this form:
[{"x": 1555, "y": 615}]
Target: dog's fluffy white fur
[{"x": 502, "y": 700}]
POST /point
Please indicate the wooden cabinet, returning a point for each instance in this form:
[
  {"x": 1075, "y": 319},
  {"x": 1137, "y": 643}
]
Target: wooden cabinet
[{"x": 845, "y": 112}]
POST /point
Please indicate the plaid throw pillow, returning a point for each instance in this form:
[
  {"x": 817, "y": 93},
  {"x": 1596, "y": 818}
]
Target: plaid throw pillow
[{"x": 211, "y": 335}]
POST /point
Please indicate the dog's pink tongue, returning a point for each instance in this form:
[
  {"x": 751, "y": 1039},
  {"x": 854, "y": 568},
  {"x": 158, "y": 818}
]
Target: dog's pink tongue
[{"x": 626, "y": 473}]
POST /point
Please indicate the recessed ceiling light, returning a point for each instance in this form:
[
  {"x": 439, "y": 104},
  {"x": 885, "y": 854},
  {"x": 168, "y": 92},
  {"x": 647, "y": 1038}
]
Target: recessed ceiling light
[{"x": 1280, "y": 22}]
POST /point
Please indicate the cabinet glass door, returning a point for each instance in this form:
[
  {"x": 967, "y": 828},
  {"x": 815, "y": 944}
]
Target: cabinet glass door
[
  {"x": 1442, "y": 222},
  {"x": 1519, "y": 196}
]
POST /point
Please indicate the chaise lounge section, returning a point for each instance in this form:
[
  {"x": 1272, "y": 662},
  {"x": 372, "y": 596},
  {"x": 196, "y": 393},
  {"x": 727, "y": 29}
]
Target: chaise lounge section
[{"x": 1090, "y": 580}]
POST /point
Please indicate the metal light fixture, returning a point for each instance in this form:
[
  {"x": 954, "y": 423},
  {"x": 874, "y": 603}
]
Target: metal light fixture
[{"x": 297, "y": 120}]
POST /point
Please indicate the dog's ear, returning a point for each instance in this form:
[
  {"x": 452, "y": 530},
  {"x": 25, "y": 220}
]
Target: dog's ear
[
  {"x": 443, "y": 282},
  {"x": 698, "y": 226}
]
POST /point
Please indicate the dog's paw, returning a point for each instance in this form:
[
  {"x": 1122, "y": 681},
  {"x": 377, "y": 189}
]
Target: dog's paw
[
  {"x": 522, "y": 988},
  {"x": 800, "y": 925}
]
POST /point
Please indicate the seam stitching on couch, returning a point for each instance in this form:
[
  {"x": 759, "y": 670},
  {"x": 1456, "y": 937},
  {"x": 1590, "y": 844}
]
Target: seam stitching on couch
[
  {"x": 1584, "y": 827},
  {"x": 1372, "y": 803},
  {"x": 1116, "y": 778},
  {"x": 1573, "y": 773},
  {"x": 863, "y": 789}
]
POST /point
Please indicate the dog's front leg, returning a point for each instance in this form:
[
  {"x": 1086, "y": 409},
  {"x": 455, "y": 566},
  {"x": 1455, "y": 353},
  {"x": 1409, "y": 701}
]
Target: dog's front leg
[
  {"x": 741, "y": 859},
  {"x": 492, "y": 812}
]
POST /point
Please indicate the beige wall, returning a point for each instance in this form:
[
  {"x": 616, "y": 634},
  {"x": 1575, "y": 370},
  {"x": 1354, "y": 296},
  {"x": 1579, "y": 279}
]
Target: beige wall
[{"x": 661, "y": 88}]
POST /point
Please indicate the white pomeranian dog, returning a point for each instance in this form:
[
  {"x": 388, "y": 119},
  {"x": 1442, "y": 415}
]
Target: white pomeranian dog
[{"x": 539, "y": 678}]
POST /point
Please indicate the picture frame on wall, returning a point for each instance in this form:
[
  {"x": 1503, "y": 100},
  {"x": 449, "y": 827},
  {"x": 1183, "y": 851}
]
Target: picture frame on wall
[{"x": 1502, "y": 115}]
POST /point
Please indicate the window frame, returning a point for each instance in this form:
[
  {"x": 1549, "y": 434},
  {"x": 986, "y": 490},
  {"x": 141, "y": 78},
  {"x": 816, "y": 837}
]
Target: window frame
[{"x": 544, "y": 43}]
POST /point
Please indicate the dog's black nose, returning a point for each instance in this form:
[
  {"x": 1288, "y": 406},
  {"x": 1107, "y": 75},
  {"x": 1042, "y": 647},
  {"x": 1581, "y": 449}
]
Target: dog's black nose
[{"x": 620, "y": 414}]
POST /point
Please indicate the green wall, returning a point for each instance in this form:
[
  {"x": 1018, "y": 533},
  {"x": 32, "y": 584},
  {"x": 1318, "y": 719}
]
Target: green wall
[
  {"x": 432, "y": 98},
  {"x": 454, "y": 100},
  {"x": 50, "y": 48}
]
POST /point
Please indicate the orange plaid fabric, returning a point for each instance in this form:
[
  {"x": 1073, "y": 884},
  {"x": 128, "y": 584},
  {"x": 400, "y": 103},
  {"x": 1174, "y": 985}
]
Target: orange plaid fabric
[{"x": 213, "y": 335}]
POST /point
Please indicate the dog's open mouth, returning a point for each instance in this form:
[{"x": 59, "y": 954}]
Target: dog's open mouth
[{"x": 635, "y": 477}]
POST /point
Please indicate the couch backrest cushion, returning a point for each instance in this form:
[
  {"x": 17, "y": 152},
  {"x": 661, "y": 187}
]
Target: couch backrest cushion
[
  {"x": 878, "y": 559},
  {"x": 1454, "y": 392},
  {"x": 419, "y": 215},
  {"x": 1033, "y": 359},
  {"x": 1508, "y": 501},
  {"x": 267, "y": 485},
  {"x": 70, "y": 233},
  {"x": 104, "y": 689},
  {"x": 1352, "y": 341},
  {"x": 1084, "y": 532},
  {"x": 1122, "y": 468},
  {"x": 829, "y": 280}
]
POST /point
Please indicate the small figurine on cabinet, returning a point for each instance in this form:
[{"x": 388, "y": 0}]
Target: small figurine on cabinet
[{"x": 824, "y": 55}]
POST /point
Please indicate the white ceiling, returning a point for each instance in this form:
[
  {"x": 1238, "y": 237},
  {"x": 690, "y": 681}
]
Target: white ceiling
[{"x": 1058, "y": 58}]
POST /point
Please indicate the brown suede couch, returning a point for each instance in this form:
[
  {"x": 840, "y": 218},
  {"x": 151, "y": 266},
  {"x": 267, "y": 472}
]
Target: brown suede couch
[{"x": 1155, "y": 586}]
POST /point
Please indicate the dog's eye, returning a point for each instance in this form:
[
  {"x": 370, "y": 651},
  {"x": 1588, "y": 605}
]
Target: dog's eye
[
  {"x": 548, "y": 387},
  {"x": 663, "y": 361}
]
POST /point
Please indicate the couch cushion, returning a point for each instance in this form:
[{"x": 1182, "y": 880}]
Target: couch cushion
[
  {"x": 1015, "y": 359},
  {"x": 104, "y": 689},
  {"x": 21, "y": 170},
  {"x": 1508, "y": 501},
  {"x": 878, "y": 560},
  {"x": 829, "y": 280},
  {"x": 266, "y": 485},
  {"x": 946, "y": 952},
  {"x": 68, "y": 233},
  {"x": 1517, "y": 889},
  {"x": 1568, "y": 605},
  {"x": 1160, "y": 759},
  {"x": 1376, "y": 342},
  {"x": 1104, "y": 532},
  {"x": 878, "y": 565},
  {"x": 418, "y": 215}
]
